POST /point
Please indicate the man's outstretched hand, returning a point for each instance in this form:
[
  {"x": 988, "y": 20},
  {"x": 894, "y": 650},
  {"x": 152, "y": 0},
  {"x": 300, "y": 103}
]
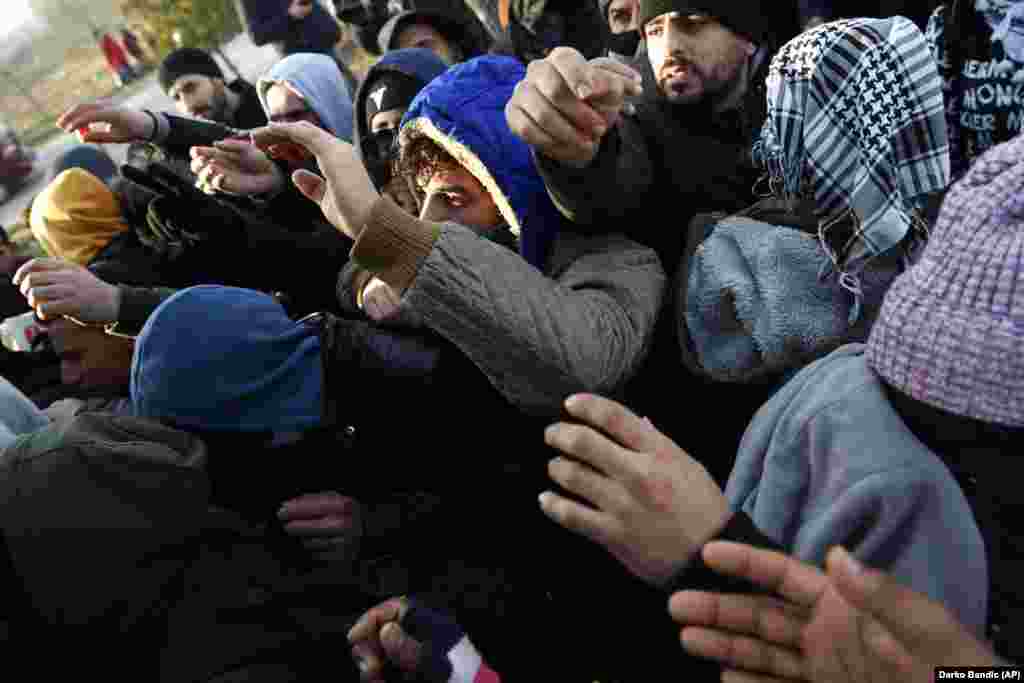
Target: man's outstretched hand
[
  {"x": 235, "y": 167},
  {"x": 345, "y": 193},
  {"x": 103, "y": 122},
  {"x": 566, "y": 104},
  {"x": 55, "y": 287}
]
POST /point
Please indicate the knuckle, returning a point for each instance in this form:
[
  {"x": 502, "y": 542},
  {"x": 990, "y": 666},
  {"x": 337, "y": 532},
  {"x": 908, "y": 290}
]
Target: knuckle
[
  {"x": 570, "y": 475},
  {"x": 559, "y": 510},
  {"x": 653, "y": 486},
  {"x": 564, "y": 54},
  {"x": 574, "y": 440}
]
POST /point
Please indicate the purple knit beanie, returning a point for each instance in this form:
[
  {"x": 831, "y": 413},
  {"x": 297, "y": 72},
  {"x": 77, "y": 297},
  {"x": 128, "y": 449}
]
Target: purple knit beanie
[{"x": 950, "y": 332}]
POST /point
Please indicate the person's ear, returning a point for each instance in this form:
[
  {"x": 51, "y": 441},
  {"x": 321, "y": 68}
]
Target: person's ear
[{"x": 749, "y": 48}]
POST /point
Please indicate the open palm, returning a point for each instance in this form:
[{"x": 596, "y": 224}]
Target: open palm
[{"x": 235, "y": 167}]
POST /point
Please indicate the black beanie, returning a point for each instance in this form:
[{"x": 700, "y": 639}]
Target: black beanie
[
  {"x": 745, "y": 17},
  {"x": 187, "y": 60}
]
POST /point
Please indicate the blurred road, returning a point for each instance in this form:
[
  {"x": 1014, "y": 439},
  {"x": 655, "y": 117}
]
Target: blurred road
[{"x": 250, "y": 60}]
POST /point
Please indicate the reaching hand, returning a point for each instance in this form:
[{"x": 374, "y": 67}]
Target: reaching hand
[
  {"x": 235, "y": 167},
  {"x": 653, "y": 505},
  {"x": 853, "y": 625},
  {"x": 55, "y": 288},
  {"x": 113, "y": 124},
  {"x": 418, "y": 642},
  {"x": 345, "y": 194},
  {"x": 565, "y": 105},
  {"x": 325, "y": 521},
  {"x": 378, "y": 639}
]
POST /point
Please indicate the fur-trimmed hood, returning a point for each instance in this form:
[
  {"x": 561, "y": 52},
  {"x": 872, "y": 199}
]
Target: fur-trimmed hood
[{"x": 463, "y": 111}]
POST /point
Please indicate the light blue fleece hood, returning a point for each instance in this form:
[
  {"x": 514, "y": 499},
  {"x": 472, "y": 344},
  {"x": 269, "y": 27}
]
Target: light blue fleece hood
[{"x": 318, "y": 79}]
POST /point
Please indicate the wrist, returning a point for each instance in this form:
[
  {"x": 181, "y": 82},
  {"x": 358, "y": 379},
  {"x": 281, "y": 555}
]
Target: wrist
[{"x": 691, "y": 549}]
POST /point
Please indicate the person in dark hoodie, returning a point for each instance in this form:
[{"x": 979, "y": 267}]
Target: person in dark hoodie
[
  {"x": 703, "y": 99},
  {"x": 606, "y": 156},
  {"x": 623, "y": 18},
  {"x": 381, "y": 101},
  {"x": 454, "y": 39},
  {"x": 197, "y": 85}
]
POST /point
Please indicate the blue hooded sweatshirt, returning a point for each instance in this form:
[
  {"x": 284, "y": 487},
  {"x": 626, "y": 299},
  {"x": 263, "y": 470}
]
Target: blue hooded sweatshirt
[
  {"x": 463, "y": 111},
  {"x": 320, "y": 82}
]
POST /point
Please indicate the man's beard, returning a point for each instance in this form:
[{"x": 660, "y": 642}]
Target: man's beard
[{"x": 712, "y": 89}]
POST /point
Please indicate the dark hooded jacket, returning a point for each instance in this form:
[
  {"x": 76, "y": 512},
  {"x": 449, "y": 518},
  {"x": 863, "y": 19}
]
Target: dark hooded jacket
[
  {"x": 416, "y": 63},
  {"x": 674, "y": 163},
  {"x": 462, "y": 30}
]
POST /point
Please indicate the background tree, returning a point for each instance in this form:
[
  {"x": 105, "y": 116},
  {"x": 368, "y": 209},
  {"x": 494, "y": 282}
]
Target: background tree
[{"x": 205, "y": 24}]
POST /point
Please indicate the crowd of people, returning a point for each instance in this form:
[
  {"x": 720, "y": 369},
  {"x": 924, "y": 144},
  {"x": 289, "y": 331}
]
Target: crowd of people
[{"x": 635, "y": 339}]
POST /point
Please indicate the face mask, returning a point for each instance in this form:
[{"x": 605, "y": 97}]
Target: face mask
[
  {"x": 378, "y": 155},
  {"x": 624, "y": 44}
]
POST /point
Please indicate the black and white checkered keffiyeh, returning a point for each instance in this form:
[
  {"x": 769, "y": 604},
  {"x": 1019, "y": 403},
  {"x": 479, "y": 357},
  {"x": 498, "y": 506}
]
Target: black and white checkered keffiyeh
[{"x": 856, "y": 122}]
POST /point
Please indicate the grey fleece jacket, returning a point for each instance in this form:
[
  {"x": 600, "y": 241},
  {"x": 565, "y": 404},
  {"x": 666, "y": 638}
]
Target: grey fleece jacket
[{"x": 828, "y": 461}]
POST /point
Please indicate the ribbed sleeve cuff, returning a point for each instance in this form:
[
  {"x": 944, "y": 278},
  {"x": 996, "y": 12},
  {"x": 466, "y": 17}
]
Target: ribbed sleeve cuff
[
  {"x": 393, "y": 244},
  {"x": 698, "y": 576}
]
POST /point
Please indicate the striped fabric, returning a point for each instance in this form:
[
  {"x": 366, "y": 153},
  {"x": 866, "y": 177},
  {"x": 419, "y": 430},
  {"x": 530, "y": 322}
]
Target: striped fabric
[
  {"x": 856, "y": 122},
  {"x": 448, "y": 655}
]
